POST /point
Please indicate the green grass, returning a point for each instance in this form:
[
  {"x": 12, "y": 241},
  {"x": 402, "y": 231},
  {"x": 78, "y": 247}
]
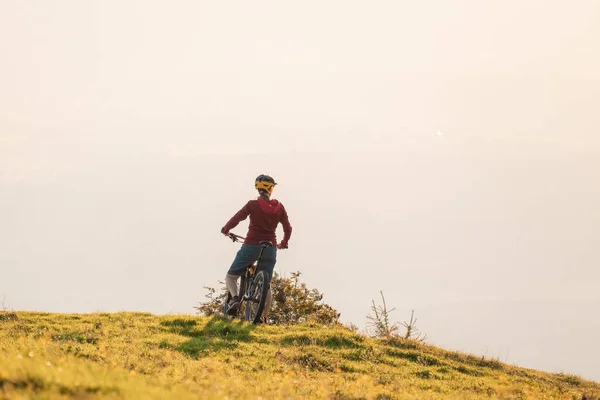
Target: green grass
[{"x": 143, "y": 356}]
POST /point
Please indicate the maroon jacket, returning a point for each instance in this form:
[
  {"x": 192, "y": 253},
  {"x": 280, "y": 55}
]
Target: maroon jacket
[{"x": 264, "y": 218}]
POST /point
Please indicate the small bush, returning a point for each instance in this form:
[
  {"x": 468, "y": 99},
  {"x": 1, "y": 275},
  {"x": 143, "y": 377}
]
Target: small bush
[
  {"x": 293, "y": 302},
  {"x": 380, "y": 326}
]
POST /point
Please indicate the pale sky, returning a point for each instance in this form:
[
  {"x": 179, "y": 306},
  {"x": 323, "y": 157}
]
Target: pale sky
[{"x": 131, "y": 131}]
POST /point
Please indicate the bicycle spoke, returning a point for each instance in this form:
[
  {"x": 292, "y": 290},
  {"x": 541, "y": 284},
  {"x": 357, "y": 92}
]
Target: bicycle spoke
[{"x": 256, "y": 297}]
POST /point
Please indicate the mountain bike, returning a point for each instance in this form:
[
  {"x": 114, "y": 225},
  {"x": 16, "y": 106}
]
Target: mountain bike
[{"x": 254, "y": 286}]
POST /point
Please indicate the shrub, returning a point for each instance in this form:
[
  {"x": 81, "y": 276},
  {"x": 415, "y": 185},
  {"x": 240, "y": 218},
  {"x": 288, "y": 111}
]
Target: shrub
[
  {"x": 293, "y": 302},
  {"x": 379, "y": 324}
]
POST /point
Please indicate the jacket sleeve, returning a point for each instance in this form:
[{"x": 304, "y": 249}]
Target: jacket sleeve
[
  {"x": 287, "y": 228},
  {"x": 237, "y": 218}
]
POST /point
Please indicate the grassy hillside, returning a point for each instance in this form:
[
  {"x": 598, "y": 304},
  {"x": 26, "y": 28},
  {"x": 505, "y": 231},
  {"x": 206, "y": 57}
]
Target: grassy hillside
[{"x": 143, "y": 356}]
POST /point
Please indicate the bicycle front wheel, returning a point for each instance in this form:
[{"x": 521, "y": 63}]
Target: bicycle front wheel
[{"x": 257, "y": 296}]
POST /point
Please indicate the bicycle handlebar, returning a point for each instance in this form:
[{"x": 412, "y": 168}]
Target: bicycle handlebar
[{"x": 235, "y": 238}]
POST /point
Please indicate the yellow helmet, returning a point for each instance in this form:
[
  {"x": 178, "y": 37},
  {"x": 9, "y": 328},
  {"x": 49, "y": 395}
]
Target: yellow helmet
[{"x": 265, "y": 182}]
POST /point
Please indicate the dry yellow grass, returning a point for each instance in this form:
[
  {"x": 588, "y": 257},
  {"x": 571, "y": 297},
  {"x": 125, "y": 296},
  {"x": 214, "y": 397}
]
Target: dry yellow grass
[{"x": 143, "y": 356}]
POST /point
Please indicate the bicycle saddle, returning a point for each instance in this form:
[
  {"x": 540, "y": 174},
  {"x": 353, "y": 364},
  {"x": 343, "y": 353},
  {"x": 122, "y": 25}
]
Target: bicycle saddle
[{"x": 265, "y": 243}]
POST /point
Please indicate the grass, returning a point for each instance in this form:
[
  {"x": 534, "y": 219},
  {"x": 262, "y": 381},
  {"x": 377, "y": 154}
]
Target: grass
[{"x": 143, "y": 356}]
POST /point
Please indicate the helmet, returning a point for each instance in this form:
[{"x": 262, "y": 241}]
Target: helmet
[{"x": 265, "y": 182}]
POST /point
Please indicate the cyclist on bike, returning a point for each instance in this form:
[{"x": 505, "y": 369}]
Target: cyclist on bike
[{"x": 265, "y": 215}]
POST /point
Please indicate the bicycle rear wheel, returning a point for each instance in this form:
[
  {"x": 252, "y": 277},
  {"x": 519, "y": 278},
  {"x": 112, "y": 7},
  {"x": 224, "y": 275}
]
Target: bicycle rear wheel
[{"x": 257, "y": 296}]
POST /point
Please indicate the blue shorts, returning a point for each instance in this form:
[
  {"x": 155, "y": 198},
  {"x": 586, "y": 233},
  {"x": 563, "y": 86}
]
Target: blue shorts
[{"x": 248, "y": 254}]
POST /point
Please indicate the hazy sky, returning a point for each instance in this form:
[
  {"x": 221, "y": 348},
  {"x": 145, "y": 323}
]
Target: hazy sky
[{"x": 131, "y": 131}]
